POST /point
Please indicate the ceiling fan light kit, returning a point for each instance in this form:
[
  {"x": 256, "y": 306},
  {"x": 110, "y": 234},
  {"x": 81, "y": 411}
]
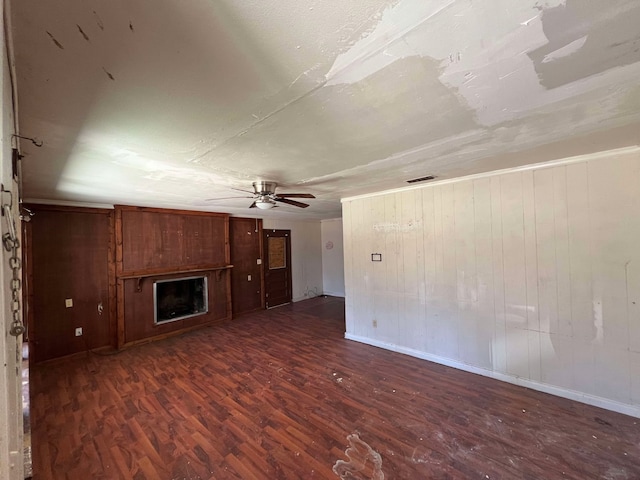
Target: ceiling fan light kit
[
  {"x": 265, "y": 196},
  {"x": 265, "y": 204}
]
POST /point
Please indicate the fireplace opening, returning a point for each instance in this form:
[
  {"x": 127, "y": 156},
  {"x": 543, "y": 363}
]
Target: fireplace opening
[{"x": 179, "y": 298}]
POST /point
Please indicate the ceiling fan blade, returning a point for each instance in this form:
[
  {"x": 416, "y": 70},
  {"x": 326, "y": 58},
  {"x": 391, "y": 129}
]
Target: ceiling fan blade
[
  {"x": 295, "y": 195},
  {"x": 291, "y": 202},
  {"x": 244, "y": 191},
  {"x": 223, "y": 198},
  {"x": 253, "y": 205}
]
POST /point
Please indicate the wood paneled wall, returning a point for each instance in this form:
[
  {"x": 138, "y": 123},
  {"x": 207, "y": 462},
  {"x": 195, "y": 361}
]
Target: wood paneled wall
[
  {"x": 246, "y": 276},
  {"x": 156, "y": 240},
  {"x": 76, "y": 252},
  {"x": 156, "y": 243},
  {"x": 531, "y": 276},
  {"x": 68, "y": 256}
]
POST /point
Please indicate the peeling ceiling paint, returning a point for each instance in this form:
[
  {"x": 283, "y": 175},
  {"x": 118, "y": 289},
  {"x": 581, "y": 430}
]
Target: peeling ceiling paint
[{"x": 153, "y": 102}]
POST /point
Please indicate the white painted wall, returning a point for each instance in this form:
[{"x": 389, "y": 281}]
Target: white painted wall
[
  {"x": 11, "y": 437},
  {"x": 332, "y": 257},
  {"x": 306, "y": 255},
  {"x": 531, "y": 276}
]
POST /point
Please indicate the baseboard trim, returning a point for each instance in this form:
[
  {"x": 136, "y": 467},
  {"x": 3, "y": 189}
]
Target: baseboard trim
[
  {"x": 626, "y": 409},
  {"x": 335, "y": 294}
]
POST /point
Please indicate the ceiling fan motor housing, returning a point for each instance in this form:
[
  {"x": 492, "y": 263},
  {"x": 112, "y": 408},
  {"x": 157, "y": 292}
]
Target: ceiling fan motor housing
[{"x": 265, "y": 188}]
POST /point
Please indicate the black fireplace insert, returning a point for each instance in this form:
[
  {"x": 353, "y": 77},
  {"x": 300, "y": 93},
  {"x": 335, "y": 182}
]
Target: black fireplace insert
[{"x": 179, "y": 298}]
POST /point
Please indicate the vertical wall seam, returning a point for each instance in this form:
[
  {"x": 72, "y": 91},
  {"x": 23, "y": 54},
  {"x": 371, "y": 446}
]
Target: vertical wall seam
[
  {"x": 591, "y": 256},
  {"x": 435, "y": 248},
  {"x": 424, "y": 272},
  {"x": 455, "y": 266},
  {"x": 535, "y": 235},
  {"x": 526, "y": 279},
  {"x": 555, "y": 249},
  {"x": 504, "y": 294},
  {"x": 400, "y": 243},
  {"x": 493, "y": 273},
  {"x": 475, "y": 244},
  {"x": 566, "y": 187}
]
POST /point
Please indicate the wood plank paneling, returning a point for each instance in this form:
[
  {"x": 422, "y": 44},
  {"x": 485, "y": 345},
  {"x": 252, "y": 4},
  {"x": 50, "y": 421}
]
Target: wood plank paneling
[
  {"x": 366, "y": 287},
  {"x": 69, "y": 258},
  {"x": 388, "y": 326},
  {"x": 466, "y": 275},
  {"x": 429, "y": 240},
  {"x": 499, "y": 348},
  {"x": 533, "y": 274},
  {"x": 418, "y": 332},
  {"x": 375, "y": 270},
  {"x": 515, "y": 285},
  {"x": 485, "y": 308},
  {"x": 448, "y": 342},
  {"x": 154, "y": 240},
  {"x": 407, "y": 230},
  {"x": 241, "y": 400},
  {"x": 349, "y": 260}
]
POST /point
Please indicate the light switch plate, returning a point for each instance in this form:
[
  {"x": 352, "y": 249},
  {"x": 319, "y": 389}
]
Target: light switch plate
[{"x": 68, "y": 302}]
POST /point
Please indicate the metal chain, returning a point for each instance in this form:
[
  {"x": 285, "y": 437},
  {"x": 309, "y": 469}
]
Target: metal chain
[{"x": 13, "y": 245}]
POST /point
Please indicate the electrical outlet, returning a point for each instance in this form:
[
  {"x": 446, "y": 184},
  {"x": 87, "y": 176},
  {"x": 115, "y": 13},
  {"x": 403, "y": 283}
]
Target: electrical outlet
[
  {"x": 68, "y": 302},
  {"x": 79, "y": 332},
  {"x": 249, "y": 278},
  {"x": 375, "y": 324},
  {"x": 259, "y": 261}
]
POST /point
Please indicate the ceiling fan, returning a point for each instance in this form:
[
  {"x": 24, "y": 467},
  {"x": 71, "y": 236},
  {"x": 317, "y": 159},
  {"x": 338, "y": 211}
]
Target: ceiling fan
[{"x": 265, "y": 196}]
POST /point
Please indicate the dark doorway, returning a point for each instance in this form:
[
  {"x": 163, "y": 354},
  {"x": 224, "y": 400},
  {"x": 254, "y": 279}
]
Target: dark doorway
[{"x": 277, "y": 268}]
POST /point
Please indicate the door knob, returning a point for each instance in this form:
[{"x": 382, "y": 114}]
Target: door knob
[{"x": 100, "y": 308}]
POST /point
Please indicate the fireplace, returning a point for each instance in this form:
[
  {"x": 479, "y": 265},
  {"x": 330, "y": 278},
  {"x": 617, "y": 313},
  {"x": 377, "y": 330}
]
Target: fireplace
[{"x": 179, "y": 298}]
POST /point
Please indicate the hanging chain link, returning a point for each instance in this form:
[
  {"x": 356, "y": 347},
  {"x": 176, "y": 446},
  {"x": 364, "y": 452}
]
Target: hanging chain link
[{"x": 13, "y": 245}]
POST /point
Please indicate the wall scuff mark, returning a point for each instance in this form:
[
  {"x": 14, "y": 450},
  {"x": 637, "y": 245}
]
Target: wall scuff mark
[
  {"x": 108, "y": 74},
  {"x": 98, "y": 20},
  {"x": 396, "y": 227},
  {"x": 82, "y": 33},
  {"x": 58, "y": 44}
]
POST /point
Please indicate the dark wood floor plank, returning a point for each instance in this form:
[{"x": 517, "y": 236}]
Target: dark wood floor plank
[{"x": 280, "y": 394}]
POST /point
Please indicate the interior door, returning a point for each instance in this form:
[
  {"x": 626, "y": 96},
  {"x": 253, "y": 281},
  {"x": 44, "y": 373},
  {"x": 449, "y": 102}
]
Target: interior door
[
  {"x": 245, "y": 239},
  {"x": 277, "y": 268}
]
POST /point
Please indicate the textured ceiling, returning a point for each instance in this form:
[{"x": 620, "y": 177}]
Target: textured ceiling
[{"x": 164, "y": 103}]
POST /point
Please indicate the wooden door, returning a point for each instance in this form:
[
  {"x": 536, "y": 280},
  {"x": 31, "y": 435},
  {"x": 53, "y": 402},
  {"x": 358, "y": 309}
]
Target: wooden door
[
  {"x": 246, "y": 275},
  {"x": 68, "y": 265},
  {"x": 277, "y": 268}
]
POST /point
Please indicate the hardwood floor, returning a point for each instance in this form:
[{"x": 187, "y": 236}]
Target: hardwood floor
[{"x": 281, "y": 394}]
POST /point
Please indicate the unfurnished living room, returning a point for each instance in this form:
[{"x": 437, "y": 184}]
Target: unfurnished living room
[{"x": 380, "y": 239}]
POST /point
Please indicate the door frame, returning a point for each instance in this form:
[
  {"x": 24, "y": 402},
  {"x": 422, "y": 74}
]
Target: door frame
[{"x": 266, "y": 233}]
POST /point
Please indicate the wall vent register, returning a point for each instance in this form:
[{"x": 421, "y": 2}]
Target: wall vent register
[{"x": 422, "y": 179}]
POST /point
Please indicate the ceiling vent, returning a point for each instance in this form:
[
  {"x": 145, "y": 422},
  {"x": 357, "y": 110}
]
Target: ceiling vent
[{"x": 422, "y": 179}]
